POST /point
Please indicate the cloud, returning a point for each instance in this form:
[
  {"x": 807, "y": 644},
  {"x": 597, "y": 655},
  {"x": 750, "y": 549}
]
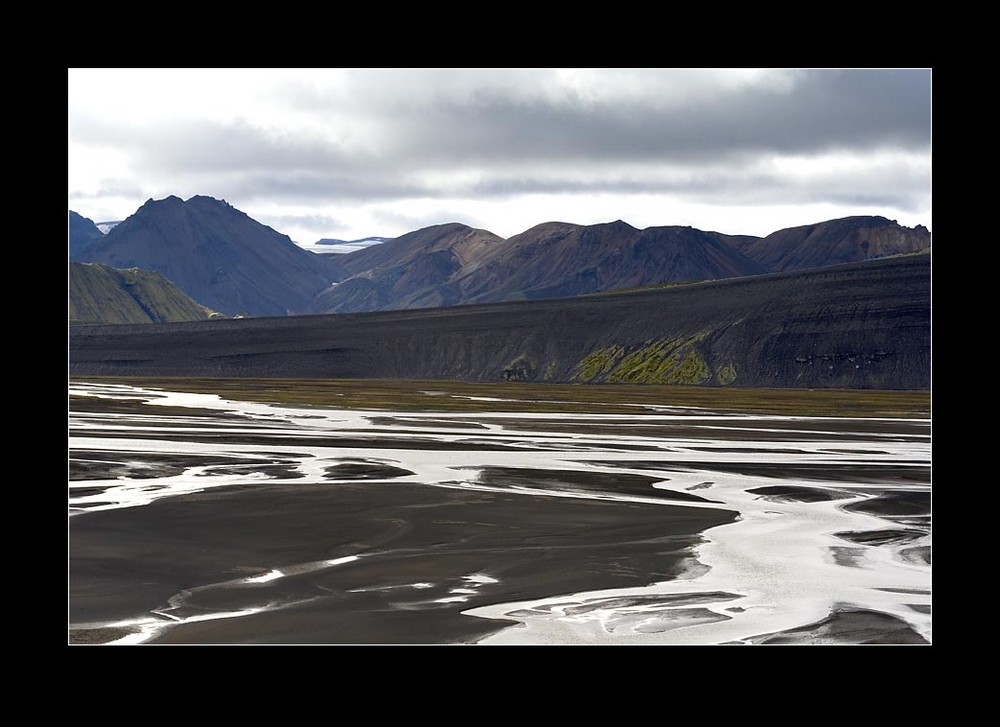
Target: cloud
[
  {"x": 343, "y": 139},
  {"x": 317, "y": 223},
  {"x": 435, "y": 118}
]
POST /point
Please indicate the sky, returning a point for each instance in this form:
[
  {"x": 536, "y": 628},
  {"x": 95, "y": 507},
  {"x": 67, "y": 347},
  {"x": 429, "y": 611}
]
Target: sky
[{"x": 348, "y": 153}]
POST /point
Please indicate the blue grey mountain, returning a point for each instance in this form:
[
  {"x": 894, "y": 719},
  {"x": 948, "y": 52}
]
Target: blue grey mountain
[
  {"x": 217, "y": 255},
  {"x": 82, "y": 233}
]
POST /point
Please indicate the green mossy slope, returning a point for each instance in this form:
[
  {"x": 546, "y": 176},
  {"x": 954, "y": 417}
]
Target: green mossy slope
[{"x": 102, "y": 294}]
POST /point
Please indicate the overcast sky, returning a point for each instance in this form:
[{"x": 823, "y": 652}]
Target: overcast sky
[{"x": 350, "y": 153}]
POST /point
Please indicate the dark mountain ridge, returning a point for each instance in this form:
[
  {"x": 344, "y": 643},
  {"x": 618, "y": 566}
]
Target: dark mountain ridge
[
  {"x": 82, "y": 233},
  {"x": 862, "y": 325},
  {"x": 217, "y": 255}
]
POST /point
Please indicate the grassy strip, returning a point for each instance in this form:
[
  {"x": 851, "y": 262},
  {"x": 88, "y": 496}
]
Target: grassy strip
[{"x": 447, "y": 396}]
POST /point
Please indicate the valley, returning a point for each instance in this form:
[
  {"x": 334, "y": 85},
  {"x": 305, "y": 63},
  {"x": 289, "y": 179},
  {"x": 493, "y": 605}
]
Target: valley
[
  {"x": 580, "y": 435},
  {"x": 438, "y": 357}
]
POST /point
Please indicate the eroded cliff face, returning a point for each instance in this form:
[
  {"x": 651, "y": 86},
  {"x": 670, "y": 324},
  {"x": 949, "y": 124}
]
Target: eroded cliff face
[{"x": 856, "y": 326}]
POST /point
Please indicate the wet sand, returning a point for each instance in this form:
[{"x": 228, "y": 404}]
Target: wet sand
[
  {"x": 847, "y": 626},
  {"x": 419, "y": 550},
  {"x": 263, "y": 525}
]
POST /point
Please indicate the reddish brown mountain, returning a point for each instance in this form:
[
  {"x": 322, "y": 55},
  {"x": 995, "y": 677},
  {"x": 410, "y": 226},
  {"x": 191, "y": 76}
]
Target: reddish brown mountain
[
  {"x": 456, "y": 264},
  {"x": 849, "y": 239},
  {"x": 557, "y": 259},
  {"x": 416, "y": 270}
]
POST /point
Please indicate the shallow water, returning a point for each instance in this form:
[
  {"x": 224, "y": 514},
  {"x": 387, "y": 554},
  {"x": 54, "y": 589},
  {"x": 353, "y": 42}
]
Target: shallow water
[{"x": 783, "y": 564}]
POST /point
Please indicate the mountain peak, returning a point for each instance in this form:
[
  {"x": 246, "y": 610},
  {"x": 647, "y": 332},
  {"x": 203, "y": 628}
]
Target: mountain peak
[
  {"x": 173, "y": 202},
  {"x": 170, "y": 200},
  {"x": 206, "y": 201},
  {"x": 216, "y": 254}
]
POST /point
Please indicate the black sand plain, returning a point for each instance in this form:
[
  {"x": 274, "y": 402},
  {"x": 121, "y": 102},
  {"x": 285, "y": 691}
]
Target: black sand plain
[
  {"x": 421, "y": 555},
  {"x": 130, "y": 562}
]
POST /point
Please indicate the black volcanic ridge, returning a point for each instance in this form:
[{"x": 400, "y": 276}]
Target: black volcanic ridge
[{"x": 862, "y": 325}]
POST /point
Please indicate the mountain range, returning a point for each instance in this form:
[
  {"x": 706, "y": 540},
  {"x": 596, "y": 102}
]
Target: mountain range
[
  {"x": 230, "y": 263},
  {"x": 841, "y": 303}
]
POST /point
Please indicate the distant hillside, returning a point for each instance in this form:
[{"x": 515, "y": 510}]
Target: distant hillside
[
  {"x": 82, "y": 233},
  {"x": 455, "y": 264},
  {"x": 557, "y": 259},
  {"x": 217, "y": 255},
  {"x": 850, "y": 239},
  {"x": 864, "y": 325},
  {"x": 101, "y": 294},
  {"x": 415, "y": 270}
]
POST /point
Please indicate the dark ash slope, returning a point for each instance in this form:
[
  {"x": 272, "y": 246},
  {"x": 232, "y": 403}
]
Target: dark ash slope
[{"x": 864, "y": 325}]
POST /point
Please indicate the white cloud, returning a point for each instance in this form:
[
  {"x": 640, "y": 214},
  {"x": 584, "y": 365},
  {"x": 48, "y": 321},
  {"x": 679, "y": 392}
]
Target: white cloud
[{"x": 503, "y": 148}]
